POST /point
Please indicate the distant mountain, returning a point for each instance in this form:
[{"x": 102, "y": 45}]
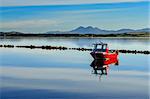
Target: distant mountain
[
  {"x": 58, "y": 32},
  {"x": 11, "y": 32},
  {"x": 95, "y": 30},
  {"x": 124, "y": 31},
  {"x": 143, "y": 30},
  {"x": 86, "y": 30},
  {"x": 54, "y": 32}
]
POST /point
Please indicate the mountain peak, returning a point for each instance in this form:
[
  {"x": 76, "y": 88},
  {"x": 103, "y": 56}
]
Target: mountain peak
[
  {"x": 80, "y": 27},
  {"x": 95, "y": 30},
  {"x": 86, "y": 30},
  {"x": 89, "y": 27}
]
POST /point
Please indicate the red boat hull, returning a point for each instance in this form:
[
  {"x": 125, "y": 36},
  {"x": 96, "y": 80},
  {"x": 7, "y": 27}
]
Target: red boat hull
[{"x": 99, "y": 55}]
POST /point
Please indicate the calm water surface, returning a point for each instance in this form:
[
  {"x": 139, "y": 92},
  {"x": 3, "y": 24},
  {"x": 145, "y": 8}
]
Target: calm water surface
[{"x": 50, "y": 74}]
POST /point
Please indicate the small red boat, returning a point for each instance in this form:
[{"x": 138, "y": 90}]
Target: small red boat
[{"x": 101, "y": 51}]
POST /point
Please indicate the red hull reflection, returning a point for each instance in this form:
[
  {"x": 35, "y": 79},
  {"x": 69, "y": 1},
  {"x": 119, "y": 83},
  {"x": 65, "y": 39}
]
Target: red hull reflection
[{"x": 103, "y": 65}]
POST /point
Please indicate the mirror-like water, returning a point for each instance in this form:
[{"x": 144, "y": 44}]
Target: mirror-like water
[{"x": 46, "y": 74}]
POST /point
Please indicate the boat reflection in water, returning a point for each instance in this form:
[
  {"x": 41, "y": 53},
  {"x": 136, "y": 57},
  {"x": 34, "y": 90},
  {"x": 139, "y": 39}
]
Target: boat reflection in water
[
  {"x": 103, "y": 58},
  {"x": 102, "y": 65}
]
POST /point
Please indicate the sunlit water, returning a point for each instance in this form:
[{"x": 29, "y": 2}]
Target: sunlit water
[{"x": 49, "y": 74}]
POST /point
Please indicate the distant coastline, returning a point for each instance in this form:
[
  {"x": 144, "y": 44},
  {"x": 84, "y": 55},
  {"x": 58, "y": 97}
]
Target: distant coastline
[
  {"x": 122, "y": 35},
  {"x": 83, "y": 32}
]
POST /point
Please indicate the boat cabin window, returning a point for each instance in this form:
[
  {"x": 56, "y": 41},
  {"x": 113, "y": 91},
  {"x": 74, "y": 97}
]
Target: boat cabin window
[{"x": 101, "y": 48}]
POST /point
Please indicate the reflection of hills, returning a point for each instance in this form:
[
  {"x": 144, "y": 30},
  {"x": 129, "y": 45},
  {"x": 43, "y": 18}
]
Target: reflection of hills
[{"x": 87, "y": 42}]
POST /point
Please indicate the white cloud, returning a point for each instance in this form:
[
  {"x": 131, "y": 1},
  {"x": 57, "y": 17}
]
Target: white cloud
[
  {"x": 54, "y": 73},
  {"x": 58, "y": 2},
  {"x": 28, "y": 23},
  {"x": 71, "y": 80}
]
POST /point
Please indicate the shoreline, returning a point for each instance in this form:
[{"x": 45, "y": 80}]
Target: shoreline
[
  {"x": 111, "y": 37},
  {"x": 75, "y": 35}
]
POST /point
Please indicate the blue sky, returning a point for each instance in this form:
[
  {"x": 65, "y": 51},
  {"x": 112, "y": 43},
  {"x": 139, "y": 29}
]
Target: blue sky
[{"x": 53, "y": 15}]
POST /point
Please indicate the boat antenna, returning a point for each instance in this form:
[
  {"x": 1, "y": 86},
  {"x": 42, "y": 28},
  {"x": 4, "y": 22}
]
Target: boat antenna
[{"x": 101, "y": 42}]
